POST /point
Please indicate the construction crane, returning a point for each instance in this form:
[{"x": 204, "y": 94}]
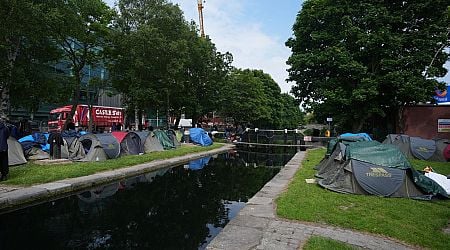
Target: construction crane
[{"x": 200, "y": 17}]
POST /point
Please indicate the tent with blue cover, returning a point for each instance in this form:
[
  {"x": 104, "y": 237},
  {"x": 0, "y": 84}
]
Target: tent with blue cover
[
  {"x": 35, "y": 146},
  {"x": 199, "y": 136}
]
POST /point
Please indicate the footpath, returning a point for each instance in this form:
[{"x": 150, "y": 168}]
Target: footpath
[
  {"x": 257, "y": 227},
  {"x": 12, "y": 198}
]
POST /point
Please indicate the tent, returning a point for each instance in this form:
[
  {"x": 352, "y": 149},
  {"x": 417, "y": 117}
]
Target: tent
[
  {"x": 15, "y": 152},
  {"x": 172, "y": 134},
  {"x": 73, "y": 148},
  {"x": 99, "y": 147},
  {"x": 35, "y": 146},
  {"x": 199, "y": 136},
  {"x": 130, "y": 142},
  {"x": 369, "y": 167},
  {"x": 165, "y": 141},
  {"x": 419, "y": 148},
  {"x": 347, "y": 138},
  {"x": 149, "y": 142}
]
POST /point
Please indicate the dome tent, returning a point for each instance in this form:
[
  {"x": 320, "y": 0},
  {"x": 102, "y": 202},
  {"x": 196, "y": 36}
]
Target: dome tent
[
  {"x": 130, "y": 142},
  {"x": 99, "y": 147},
  {"x": 15, "y": 152},
  {"x": 149, "y": 142},
  {"x": 419, "y": 148},
  {"x": 369, "y": 167}
]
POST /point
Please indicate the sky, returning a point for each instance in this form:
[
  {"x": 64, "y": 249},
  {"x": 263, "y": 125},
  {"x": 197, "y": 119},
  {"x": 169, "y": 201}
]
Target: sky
[{"x": 254, "y": 31}]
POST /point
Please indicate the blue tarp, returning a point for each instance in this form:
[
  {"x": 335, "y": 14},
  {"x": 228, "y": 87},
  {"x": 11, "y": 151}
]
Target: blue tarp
[
  {"x": 199, "y": 136},
  {"x": 37, "y": 138},
  {"x": 363, "y": 135},
  {"x": 199, "y": 163}
]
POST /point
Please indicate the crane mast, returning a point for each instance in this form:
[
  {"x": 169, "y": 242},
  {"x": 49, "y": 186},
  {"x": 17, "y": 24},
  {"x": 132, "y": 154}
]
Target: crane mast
[{"x": 200, "y": 17}]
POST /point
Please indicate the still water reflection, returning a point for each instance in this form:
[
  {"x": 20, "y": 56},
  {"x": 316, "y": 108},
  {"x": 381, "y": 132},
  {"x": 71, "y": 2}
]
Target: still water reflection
[{"x": 179, "y": 208}]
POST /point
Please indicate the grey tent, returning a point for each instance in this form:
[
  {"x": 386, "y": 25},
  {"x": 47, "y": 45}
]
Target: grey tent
[
  {"x": 72, "y": 149},
  {"x": 149, "y": 142},
  {"x": 419, "y": 148},
  {"x": 96, "y": 150},
  {"x": 35, "y": 153},
  {"x": 172, "y": 134},
  {"x": 15, "y": 152},
  {"x": 373, "y": 168},
  {"x": 130, "y": 142}
]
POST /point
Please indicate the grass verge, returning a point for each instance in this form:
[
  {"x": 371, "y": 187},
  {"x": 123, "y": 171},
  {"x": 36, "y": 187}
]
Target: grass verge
[
  {"x": 31, "y": 173},
  {"x": 412, "y": 221},
  {"x": 318, "y": 243}
]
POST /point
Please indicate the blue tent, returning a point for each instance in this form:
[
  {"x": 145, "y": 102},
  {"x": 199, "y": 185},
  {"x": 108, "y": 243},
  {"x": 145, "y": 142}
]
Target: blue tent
[{"x": 199, "y": 136}]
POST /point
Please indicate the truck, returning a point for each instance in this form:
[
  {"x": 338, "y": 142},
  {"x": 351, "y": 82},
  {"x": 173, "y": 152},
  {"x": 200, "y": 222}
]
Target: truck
[{"x": 103, "y": 118}]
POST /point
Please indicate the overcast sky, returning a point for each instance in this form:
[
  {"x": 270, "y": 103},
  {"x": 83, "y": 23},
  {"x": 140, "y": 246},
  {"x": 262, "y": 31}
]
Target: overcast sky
[{"x": 254, "y": 31}]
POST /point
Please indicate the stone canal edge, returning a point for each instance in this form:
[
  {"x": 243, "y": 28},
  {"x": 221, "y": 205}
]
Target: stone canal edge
[
  {"x": 257, "y": 226},
  {"x": 12, "y": 198}
]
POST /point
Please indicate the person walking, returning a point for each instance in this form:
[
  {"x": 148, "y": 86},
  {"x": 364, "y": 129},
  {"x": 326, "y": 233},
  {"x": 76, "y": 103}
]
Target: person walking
[{"x": 4, "y": 167}]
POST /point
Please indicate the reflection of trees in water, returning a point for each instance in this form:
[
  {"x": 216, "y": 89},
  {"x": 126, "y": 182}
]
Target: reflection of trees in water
[{"x": 170, "y": 212}]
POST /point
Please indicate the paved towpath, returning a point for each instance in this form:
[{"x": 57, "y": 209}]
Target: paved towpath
[
  {"x": 257, "y": 227},
  {"x": 16, "y": 197}
]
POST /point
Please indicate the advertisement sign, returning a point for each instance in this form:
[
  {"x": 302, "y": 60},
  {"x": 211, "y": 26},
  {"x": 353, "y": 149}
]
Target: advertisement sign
[
  {"x": 442, "y": 96},
  {"x": 444, "y": 125}
]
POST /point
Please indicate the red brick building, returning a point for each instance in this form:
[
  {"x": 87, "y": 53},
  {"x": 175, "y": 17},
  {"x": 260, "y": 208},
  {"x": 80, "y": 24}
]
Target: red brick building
[{"x": 427, "y": 121}]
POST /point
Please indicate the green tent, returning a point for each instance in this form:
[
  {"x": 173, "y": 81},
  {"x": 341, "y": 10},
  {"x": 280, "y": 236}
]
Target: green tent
[
  {"x": 369, "y": 167},
  {"x": 165, "y": 141}
]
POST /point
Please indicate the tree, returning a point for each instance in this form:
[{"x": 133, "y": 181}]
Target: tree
[
  {"x": 81, "y": 30},
  {"x": 26, "y": 57},
  {"x": 355, "y": 60},
  {"x": 160, "y": 62},
  {"x": 245, "y": 99}
]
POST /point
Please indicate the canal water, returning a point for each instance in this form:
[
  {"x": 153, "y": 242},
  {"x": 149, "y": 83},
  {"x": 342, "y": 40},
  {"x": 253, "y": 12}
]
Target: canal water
[{"x": 183, "y": 207}]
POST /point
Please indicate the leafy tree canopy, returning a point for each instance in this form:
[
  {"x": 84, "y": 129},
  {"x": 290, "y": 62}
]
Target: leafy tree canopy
[{"x": 353, "y": 60}]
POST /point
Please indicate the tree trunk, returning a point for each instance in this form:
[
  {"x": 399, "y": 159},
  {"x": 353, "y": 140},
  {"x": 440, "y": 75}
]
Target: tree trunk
[
  {"x": 12, "y": 54},
  {"x": 75, "y": 97},
  {"x": 136, "y": 118},
  {"x": 400, "y": 121}
]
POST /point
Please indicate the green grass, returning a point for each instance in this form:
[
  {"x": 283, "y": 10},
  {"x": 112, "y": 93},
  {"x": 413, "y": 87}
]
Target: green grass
[
  {"x": 318, "y": 243},
  {"x": 415, "y": 222},
  {"x": 30, "y": 173}
]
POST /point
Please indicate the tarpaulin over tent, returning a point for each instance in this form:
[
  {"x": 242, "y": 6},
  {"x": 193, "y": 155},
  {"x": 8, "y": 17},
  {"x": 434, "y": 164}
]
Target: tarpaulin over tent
[
  {"x": 199, "y": 136},
  {"x": 373, "y": 168},
  {"x": 347, "y": 138},
  {"x": 39, "y": 139},
  {"x": 362, "y": 135}
]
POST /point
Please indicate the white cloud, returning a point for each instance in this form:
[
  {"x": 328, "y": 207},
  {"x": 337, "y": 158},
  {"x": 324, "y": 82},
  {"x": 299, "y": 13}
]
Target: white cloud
[{"x": 226, "y": 25}]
